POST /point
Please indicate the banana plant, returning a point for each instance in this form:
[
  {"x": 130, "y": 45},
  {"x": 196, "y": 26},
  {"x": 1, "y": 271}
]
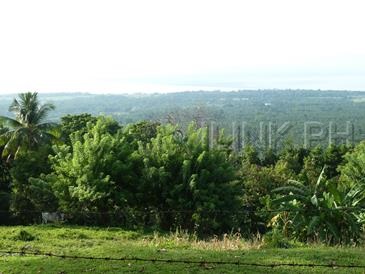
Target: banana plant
[{"x": 320, "y": 212}]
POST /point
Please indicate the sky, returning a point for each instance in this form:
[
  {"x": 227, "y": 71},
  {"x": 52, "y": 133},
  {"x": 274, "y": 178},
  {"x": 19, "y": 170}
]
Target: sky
[{"x": 143, "y": 46}]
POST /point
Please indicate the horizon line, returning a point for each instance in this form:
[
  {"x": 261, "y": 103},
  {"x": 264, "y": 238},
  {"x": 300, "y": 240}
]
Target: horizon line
[{"x": 182, "y": 91}]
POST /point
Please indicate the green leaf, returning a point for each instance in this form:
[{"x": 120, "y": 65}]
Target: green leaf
[
  {"x": 314, "y": 200},
  {"x": 313, "y": 224}
]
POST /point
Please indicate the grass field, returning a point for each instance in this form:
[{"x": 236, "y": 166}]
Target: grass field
[{"x": 117, "y": 243}]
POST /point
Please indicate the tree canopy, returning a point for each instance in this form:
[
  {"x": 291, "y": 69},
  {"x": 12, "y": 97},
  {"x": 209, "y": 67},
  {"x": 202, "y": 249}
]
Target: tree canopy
[{"x": 29, "y": 128}]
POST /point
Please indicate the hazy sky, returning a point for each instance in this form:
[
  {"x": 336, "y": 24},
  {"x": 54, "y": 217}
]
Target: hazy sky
[{"x": 154, "y": 45}]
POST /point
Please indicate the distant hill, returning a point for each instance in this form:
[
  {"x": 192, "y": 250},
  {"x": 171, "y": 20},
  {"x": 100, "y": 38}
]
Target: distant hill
[{"x": 222, "y": 108}]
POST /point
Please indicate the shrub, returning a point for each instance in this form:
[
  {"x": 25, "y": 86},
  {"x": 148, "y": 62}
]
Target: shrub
[
  {"x": 276, "y": 239},
  {"x": 24, "y": 236}
]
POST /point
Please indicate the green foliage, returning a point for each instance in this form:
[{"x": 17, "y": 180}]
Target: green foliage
[
  {"x": 142, "y": 131},
  {"x": 331, "y": 157},
  {"x": 293, "y": 157},
  {"x": 86, "y": 176},
  {"x": 24, "y": 236},
  {"x": 4, "y": 207},
  {"x": 320, "y": 211},
  {"x": 353, "y": 171},
  {"x": 258, "y": 183},
  {"x": 250, "y": 156},
  {"x": 276, "y": 239},
  {"x": 24, "y": 199},
  {"x": 41, "y": 195},
  {"x": 191, "y": 185},
  {"x": 28, "y": 130},
  {"x": 160, "y": 176},
  {"x": 269, "y": 158},
  {"x": 186, "y": 183},
  {"x": 4, "y": 174},
  {"x": 72, "y": 123},
  {"x": 5, "y": 180}
]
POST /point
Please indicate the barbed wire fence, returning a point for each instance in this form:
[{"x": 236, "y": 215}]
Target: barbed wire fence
[
  {"x": 239, "y": 263},
  {"x": 182, "y": 261}
]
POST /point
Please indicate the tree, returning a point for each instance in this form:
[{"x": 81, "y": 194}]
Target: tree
[
  {"x": 258, "y": 180},
  {"x": 4, "y": 190},
  {"x": 72, "y": 123},
  {"x": 142, "y": 131},
  {"x": 24, "y": 197},
  {"x": 28, "y": 130},
  {"x": 331, "y": 157},
  {"x": 353, "y": 171},
  {"x": 250, "y": 155},
  {"x": 189, "y": 184},
  {"x": 93, "y": 174},
  {"x": 293, "y": 157},
  {"x": 269, "y": 158},
  {"x": 313, "y": 165},
  {"x": 4, "y": 168},
  {"x": 25, "y": 140}
]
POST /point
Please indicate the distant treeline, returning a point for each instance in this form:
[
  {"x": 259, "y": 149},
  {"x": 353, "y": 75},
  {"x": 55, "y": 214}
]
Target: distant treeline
[{"x": 256, "y": 109}]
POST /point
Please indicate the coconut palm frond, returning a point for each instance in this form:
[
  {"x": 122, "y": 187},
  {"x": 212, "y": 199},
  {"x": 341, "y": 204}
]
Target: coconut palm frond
[{"x": 29, "y": 129}]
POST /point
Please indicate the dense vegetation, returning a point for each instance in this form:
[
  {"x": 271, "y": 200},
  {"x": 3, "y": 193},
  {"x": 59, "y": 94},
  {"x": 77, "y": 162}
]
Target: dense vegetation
[{"x": 160, "y": 176}]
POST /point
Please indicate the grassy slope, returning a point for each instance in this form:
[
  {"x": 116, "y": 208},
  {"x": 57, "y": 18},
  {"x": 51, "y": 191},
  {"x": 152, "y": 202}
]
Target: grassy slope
[{"x": 119, "y": 243}]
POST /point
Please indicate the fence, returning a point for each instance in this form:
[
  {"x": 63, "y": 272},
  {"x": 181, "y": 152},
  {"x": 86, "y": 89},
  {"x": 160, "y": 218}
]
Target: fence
[{"x": 183, "y": 261}]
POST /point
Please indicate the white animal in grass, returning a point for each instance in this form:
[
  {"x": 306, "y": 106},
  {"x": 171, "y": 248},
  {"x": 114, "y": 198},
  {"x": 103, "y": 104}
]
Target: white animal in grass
[{"x": 52, "y": 217}]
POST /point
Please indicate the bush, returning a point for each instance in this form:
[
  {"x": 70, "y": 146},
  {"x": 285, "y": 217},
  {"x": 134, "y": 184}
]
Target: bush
[
  {"x": 24, "y": 236},
  {"x": 276, "y": 239}
]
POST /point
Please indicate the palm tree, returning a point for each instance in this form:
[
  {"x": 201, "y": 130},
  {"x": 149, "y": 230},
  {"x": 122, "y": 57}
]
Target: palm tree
[{"x": 28, "y": 130}]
